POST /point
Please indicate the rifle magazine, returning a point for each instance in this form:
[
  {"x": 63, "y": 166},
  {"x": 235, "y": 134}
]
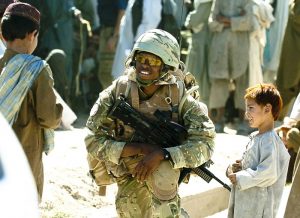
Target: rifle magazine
[{"x": 202, "y": 174}]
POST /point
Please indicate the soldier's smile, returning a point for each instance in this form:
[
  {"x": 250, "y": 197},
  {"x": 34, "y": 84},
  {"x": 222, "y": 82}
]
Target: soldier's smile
[
  {"x": 144, "y": 72},
  {"x": 148, "y": 66}
]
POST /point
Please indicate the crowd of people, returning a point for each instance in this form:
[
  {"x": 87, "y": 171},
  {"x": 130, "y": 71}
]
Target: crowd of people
[{"x": 58, "y": 55}]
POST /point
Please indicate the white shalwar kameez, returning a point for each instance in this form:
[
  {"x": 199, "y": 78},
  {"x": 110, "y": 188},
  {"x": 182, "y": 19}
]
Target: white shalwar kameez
[{"x": 261, "y": 181}]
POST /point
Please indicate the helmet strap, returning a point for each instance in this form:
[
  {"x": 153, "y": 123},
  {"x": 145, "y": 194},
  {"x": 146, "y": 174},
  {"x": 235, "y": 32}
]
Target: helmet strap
[{"x": 145, "y": 83}]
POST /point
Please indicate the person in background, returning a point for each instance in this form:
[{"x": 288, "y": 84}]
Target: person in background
[
  {"x": 110, "y": 14},
  {"x": 235, "y": 55},
  {"x": 151, "y": 85},
  {"x": 96, "y": 21},
  {"x": 56, "y": 32},
  {"x": 275, "y": 35},
  {"x": 259, "y": 177},
  {"x": 140, "y": 16},
  {"x": 27, "y": 98},
  {"x": 290, "y": 133},
  {"x": 83, "y": 26},
  {"x": 288, "y": 74},
  {"x": 197, "y": 63}
]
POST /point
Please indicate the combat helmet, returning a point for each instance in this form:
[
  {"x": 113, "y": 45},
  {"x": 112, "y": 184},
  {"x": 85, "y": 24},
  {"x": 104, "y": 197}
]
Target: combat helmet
[{"x": 160, "y": 43}]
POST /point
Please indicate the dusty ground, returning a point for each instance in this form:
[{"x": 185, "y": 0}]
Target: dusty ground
[
  {"x": 70, "y": 192},
  {"x": 68, "y": 189}
]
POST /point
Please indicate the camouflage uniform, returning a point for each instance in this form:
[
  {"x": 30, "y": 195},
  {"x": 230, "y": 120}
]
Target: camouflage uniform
[{"x": 135, "y": 199}]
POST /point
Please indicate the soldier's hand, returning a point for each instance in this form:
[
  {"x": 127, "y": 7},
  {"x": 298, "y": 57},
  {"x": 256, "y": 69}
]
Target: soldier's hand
[
  {"x": 148, "y": 164},
  {"x": 131, "y": 149},
  {"x": 148, "y": 148}
]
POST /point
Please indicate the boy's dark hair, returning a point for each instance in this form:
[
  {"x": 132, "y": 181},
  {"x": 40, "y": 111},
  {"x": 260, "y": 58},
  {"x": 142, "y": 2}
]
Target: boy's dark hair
[
  {"x": 16, "y": 27},
  {"x": 264, "y": 94}
]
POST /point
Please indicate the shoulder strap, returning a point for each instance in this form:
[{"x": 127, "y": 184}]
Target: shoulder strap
[
  {"x": 176, "y": 92},
  {"x": 126, "y": 86},
  {"x": 187, "y": 93},
  {"x": 134, "y": 93},
  {"x": 123, "y": 87}
]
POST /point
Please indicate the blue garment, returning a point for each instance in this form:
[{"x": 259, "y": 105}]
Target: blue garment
[
  {"x": 15, "y": 81},
  {"x": 267, "y": 52},
  {"x": 108, "y": 11}
]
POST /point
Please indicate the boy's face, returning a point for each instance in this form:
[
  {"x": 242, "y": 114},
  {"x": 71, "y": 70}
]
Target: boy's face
[{"x": 256, "y": 114}]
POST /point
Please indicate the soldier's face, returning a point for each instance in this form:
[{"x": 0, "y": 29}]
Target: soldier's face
[{"x": 148, "y": 66}]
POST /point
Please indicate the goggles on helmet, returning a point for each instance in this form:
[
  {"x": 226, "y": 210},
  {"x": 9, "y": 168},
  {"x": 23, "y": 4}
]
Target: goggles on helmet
[{"x": 151, "y": 60}]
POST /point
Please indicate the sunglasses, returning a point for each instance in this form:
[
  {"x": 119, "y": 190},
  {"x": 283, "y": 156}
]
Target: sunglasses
[{"x": 148, "y": 59}]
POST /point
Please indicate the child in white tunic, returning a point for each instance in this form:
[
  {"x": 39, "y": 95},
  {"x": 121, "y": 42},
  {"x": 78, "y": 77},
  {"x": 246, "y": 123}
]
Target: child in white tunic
[{"x": 259, "y": 177}]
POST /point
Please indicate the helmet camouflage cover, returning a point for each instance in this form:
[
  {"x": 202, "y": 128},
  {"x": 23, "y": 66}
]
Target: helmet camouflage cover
[{"x": 161, "y": 44}]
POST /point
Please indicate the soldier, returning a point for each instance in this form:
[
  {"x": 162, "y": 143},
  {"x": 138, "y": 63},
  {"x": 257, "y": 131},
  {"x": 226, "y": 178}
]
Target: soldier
[{"x": 149, "y": 84}]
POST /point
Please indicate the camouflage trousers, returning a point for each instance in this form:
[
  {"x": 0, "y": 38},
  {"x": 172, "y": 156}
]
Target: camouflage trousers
[{"x": 134, "y": 200}]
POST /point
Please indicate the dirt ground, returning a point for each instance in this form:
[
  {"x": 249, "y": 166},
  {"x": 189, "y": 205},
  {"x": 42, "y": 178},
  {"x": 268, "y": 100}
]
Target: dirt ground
[{"x": 69, "y": 191}]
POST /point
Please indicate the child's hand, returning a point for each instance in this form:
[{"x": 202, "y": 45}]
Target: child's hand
[
  {"x": 232, "y": 178},
  {"x": 229, "y": 170},
  {"x": 233, "y": 168},
  {"x": 237, "y": 166}
]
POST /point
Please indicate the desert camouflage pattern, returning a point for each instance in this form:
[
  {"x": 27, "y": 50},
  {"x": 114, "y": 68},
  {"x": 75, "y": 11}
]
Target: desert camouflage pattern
[{"x": 136, "y": 199}]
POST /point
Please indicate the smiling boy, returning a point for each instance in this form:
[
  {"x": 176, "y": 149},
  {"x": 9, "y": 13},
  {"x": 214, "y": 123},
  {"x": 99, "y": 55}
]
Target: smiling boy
[{"x": 259, "y": 177}]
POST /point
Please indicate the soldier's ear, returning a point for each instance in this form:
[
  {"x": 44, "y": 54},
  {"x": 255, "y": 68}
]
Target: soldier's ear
[
  {"x": 132, "y": 64},
  {"x": 166, "y": 68}
]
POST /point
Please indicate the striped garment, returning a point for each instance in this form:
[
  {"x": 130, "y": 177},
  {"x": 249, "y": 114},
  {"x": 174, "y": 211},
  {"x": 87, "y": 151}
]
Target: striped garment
[{"x": 15, "y": 80}]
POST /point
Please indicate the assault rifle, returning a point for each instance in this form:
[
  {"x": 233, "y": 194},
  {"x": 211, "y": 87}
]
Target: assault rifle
[{"x": 161, "y": 132}]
